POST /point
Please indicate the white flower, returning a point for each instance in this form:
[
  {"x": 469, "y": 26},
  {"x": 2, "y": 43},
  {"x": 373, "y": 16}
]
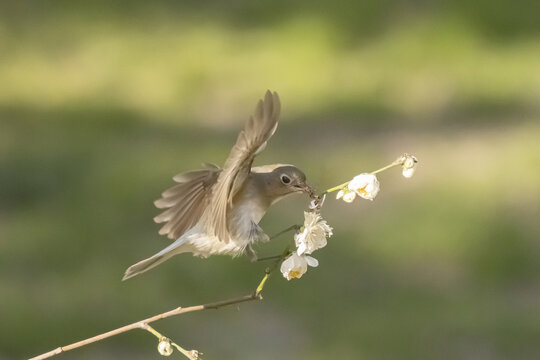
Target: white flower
[
  {"x": 164, "y": 347},
  {"x": 365, "y": 185},
  {"x": 314, "y": 234},
  {"x": 347, "y": 195},
  {"x": 295, "y": 266},
  {"x": 409, "y": 165}
]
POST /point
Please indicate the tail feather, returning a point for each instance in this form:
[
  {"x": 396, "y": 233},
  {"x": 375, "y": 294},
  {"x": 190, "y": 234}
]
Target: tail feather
[
  {"x": 143, "y": 266},
  {"x": 178, "y": 247}
]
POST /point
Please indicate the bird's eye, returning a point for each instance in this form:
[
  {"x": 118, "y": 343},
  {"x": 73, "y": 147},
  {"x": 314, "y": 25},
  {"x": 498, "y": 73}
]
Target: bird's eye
[{"x": 285, "y": 179}]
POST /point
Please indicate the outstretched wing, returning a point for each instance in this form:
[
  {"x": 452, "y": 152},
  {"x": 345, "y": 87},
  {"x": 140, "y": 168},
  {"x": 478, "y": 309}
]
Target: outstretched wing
[
  {"x": 186, "y": 201},
  {"x": 258, "y": 129}
]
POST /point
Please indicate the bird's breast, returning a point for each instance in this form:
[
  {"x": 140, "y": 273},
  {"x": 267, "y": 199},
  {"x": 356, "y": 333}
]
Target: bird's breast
[{"x": 248, "y": 209}]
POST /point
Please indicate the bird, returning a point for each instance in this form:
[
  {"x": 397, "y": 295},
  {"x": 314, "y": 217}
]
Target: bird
[{"x": 216, "y": 211}]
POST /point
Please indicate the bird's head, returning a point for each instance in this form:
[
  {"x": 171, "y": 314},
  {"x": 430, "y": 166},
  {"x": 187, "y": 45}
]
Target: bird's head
[{"x": 282, "y": 180}]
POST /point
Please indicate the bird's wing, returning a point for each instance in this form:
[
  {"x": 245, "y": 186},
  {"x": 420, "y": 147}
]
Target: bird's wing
[
  {"x": 257, "y": 130},
  {"x": 185, "y": 202}
]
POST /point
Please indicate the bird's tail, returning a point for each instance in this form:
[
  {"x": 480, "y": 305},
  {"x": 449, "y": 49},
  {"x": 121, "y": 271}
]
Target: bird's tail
[{"x": 178, "y": 247}]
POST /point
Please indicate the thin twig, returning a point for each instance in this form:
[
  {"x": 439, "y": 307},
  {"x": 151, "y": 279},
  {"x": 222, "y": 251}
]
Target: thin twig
[
  {"x": 143, "y": 324},
  {"x": 398, "y": 161}
]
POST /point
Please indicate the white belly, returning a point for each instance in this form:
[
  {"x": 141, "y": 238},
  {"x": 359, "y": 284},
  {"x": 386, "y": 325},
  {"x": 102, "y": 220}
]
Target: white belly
[
  {"x": 241, "y": 226},
  {"x": 244, "y": 216}
]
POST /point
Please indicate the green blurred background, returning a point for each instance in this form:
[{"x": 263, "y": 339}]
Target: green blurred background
[{"x": 102, "y": 102}]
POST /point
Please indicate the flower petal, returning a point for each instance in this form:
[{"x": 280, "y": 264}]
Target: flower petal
[
  {"x": 349, "y": 197},
  {"x": 301, "y": 249},
  {"x": 365, "y": 185},
  {"x": 312, "y": 261},
  {"x": 314, "y": 233}
]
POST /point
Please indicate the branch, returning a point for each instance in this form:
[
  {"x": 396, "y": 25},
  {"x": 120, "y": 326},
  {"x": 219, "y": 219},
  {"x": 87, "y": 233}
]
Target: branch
[
  {"x": 406, "y": 161},
  {"x": 143, "y": 324}
]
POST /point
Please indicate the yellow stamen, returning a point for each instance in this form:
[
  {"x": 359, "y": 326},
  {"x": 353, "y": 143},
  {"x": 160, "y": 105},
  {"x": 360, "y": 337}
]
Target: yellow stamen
[
  {"x": 362, "y": 191},
  {"x": 293, "y": 274}
]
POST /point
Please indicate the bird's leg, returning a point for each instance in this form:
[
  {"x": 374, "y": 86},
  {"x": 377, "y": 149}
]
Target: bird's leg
[
  {"x": 269, "y": 258},
  {"x": 292, "y": 227}
]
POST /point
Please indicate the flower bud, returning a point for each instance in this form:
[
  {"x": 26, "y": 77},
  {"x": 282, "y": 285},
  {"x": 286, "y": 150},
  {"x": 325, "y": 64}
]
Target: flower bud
[
  {"x": 164, "y": 347},
  {"x": 347, "y": 195},
  {"x": 409, "y": 165}
]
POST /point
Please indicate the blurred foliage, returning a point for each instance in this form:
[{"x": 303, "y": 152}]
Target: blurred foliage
[{"x": 101, "y": 103}]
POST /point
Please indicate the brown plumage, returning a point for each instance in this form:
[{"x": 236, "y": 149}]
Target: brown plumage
[
  {"x": 186, "y": 201},
  {"x": 259, "y": 128},
  {"x": 217, "y": 211}
]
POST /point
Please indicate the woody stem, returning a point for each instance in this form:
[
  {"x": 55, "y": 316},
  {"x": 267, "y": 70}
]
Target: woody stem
[{"x": 143, "y": 324}]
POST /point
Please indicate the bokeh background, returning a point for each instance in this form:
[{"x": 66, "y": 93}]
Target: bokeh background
[{"x": 102, "y": 102}]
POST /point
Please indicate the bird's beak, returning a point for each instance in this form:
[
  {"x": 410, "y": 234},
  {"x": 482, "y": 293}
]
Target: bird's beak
[{"x": 305, "y": 188}]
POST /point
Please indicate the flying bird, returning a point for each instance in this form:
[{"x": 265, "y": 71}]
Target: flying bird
[{"x": 217, "y": 210}]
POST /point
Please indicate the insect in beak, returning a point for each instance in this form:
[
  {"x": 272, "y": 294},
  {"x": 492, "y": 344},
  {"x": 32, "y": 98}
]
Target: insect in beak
[{"x": 305, "y": 188}]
